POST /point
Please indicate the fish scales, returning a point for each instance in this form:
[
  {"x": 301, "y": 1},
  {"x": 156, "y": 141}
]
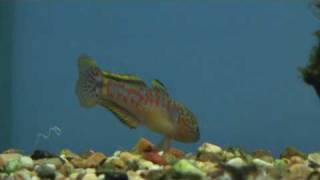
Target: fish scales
[{"x": 129, "y": 96}]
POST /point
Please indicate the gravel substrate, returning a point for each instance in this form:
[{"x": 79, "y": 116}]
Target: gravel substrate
[{"x": 145, "y": 162}]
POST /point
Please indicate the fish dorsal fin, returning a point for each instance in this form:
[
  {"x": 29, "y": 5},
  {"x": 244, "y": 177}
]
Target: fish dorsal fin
[
  {"x": 124, "y": 115},
  {"x": 156, "y": 84},
  {"x": 124, "y": 77}
]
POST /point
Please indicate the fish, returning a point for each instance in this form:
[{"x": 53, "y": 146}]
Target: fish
[{"x": 135, "y": 103}]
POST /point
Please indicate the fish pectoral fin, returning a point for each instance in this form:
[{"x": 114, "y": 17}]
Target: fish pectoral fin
[
  {"x": 165, "y": 143},
  {"x": 156, "y": 84},
  {"x": 124, "y": 115}
]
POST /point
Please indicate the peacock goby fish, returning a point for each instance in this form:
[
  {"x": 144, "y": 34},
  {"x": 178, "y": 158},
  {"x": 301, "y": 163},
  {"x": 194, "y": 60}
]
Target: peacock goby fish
[{"x": 135, "y": 103}]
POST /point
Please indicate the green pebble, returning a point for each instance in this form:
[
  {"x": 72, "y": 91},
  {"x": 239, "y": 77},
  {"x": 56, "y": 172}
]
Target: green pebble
[
  {"x": 171, "y": 159},
  {"x": 184, "y": 168},
  {"x": 144, "y": 164},
  {"x": 13, "y": 166},
  {"x": 280, "y": 164}
]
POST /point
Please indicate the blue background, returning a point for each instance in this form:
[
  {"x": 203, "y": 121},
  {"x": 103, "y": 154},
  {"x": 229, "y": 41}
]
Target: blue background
[{"x": 235, "y": 65}]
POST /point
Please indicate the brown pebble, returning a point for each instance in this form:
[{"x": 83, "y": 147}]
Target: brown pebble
[
  {"x": 65, "y": 170},
  {"x": 296, "y": 160},
  {"x": 95, "y": 159},
  {"x": 155, "y": 158},
  {"x": 78, "y": 163},
  {"x": 91, "y": 162},
  {"x": 299, "y": 171},
  {"x": 2, "y": 163},
  {"x": 18, "y": 177},
  {"x": 263, "y": 155},
  {"x": 8, "y": 157},
  {"x": 261, "y": 152},
  {"x": 176, "y": 152},
  {"x": 12, "y": 151},
  {"x": 290, "y": 151},
  {"x": 87, "y": 154},
  {"x": 144, "y": 145}
]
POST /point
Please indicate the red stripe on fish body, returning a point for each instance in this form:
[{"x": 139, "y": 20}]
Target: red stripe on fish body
[
  {"x": 145, "y": 101},
  {"x": 132, "y": 91},
  {"x": 115, "y": 91},
  {"x": 141, "y": 98},
  {"x": 135, "y": 93},
  {"x": 149, "y": 97},
  {"x": 125, "y": 99},
  {"x": 127, "y": 95},
  {"x": 155, "y": 98},
  {"x": 137, "y": 98}
]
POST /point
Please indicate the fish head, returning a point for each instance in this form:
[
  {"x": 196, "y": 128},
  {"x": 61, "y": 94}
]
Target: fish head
[{"x": 187, "y": 129}]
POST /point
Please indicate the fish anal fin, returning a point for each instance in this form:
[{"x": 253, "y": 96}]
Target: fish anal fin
[
  {"x": 156, "y": 84},
  {"x": 124, "y": 115}
]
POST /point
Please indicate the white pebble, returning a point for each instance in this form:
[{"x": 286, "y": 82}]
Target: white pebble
[
  {"x": 210, "y": 148},
  {"x": 26, "y": 162},
  {"x": 90, "y": 176},
  {"x": 101, "y": 177},
  {"x": 52, "y": 166},
  {"x": 236, "y": 162},
  {"x": 262, "y": 163},
  {"x": 314, "y": 158},
  {"x": 35, "y": 178},
  {"x": 90, "y": 170}
]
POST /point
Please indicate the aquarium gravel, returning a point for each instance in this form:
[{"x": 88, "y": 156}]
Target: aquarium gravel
[{"x": 145, "y": 162}]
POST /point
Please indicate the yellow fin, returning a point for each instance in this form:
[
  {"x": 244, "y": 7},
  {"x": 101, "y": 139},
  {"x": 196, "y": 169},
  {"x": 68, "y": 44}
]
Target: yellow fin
[
  {"x": 124, "y": 77},
  {"x": 125, "y": 116},
  {"x": 156, "y": 84}
]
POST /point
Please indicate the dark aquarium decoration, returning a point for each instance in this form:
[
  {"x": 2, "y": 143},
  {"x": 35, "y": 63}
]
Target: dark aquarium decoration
[{"x": 311, "y": 73}]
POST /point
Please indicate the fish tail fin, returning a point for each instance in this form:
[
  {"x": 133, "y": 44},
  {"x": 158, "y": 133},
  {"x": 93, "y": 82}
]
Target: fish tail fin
[{"x": 90, "y": 82}]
